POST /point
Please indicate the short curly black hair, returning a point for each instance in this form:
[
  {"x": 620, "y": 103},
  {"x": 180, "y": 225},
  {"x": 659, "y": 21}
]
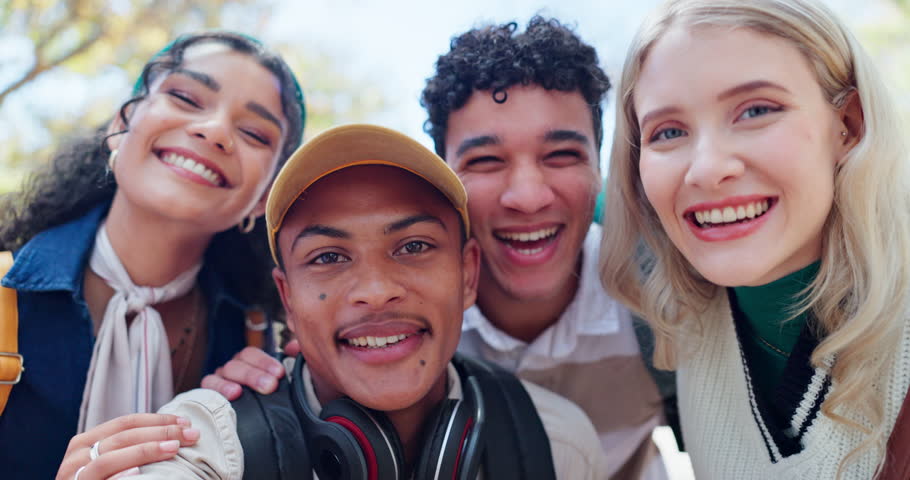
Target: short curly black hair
[{"x": 494, "y": 58}]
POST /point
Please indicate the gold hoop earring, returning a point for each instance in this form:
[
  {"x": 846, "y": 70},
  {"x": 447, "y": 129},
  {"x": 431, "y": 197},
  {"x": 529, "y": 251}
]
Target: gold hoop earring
[
  {"x": 112, "y": 159},
  {"x": 246, "y": 225}
]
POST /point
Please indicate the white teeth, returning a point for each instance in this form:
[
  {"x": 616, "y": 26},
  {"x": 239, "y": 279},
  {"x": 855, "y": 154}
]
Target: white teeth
[
  {"x": 716, "y": 216},
  {"x": 731, "y": 214},
  {"x": 193, "y": 166},
  {"x": 376, "y": 342},
  {"x": 528, "y": 236},
  {"x": 750, "y": 210}
]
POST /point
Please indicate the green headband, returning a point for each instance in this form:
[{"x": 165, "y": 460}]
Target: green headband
[{"x": 298, "y": 92}]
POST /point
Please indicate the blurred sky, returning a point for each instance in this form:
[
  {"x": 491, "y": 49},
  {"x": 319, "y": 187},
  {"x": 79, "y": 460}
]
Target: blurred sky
[
  {"x": 388, "y": 45},
  {"x": 394, "y": 43}
]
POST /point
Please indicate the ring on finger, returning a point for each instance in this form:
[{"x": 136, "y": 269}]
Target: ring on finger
[
  {"x": 93, "y": 453},
  {"x": 76, "y": 476}
]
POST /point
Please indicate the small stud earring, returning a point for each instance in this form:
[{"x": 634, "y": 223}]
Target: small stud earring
[
  {"x": 843, "y": 133},
  {"x": 112, "y": 159}
]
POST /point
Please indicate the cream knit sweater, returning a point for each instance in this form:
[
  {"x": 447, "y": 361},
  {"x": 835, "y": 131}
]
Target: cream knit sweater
[{"x": 727, "y": 437}]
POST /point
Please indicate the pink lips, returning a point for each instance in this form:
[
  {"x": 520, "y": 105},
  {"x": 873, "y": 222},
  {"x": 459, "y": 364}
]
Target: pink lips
[
  {"x": 731, "y": 231},
  {"x": 388, "y": 353}
]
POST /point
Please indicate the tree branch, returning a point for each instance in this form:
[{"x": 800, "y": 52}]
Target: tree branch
[{"x": 41, "y": 67}]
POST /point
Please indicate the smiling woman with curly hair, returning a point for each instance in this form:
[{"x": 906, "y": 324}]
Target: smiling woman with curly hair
[{"x": 132, "y": 281}]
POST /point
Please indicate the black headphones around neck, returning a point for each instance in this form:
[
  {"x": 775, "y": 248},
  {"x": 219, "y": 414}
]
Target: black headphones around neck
[{"x": 348, "y": 441}]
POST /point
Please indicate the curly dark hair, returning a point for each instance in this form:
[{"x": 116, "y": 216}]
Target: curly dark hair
[
  {"x": 494, "y": 58},
  {"x": 76, "y": 179}
]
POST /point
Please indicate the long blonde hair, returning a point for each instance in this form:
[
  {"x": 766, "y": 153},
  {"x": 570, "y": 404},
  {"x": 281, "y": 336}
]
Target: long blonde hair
[{"x": 860, "y": 295}]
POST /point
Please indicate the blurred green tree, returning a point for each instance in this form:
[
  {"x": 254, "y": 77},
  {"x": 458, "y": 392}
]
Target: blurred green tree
[{"x": 91, "y": 50}]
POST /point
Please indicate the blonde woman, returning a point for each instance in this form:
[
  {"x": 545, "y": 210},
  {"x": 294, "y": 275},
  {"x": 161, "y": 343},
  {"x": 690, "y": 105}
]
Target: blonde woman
[{"x": 759, "y": 160}]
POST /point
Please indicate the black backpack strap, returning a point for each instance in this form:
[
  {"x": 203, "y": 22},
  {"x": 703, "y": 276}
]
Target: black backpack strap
[
  {"x": 516, "y": 445},
  {"x": 271, "y": 437}
]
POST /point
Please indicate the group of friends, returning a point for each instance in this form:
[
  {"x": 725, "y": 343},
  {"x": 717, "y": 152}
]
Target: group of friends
[{"x": 463, "y": 314}]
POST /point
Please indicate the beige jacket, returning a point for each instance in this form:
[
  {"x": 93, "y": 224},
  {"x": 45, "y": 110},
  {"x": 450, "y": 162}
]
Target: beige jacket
[{"x": 218, "y": 455}]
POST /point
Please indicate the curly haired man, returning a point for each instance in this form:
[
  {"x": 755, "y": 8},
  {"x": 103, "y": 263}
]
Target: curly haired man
[{"x": 518, "y": 116}]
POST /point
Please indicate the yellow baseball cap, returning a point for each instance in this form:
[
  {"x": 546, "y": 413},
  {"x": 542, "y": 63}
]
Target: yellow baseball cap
[{"x": 353, "y": 145}]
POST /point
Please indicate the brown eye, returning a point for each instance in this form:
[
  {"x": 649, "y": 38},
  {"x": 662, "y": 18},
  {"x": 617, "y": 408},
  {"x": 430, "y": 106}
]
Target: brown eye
[
  {"x": 414, "y": 247},
  {"x": 329, "y": 258}
]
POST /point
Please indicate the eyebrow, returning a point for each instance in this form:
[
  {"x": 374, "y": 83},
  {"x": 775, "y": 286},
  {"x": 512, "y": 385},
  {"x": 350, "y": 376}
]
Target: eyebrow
[
  {"x": 200, "y": 77},
  {"x": 316, "y": 230},
  {"x": 657, "y": 113},
  {"x": 474, "y": 142},
  {"x": 563, "y": 135},
  {"x": 413, "y": 219},
  {"x": 748, "y": 87}
]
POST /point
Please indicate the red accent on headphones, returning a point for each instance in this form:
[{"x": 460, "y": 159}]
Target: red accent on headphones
[
  {"x": 464, "y": 437},
  {"x": 368, "y": 452}
]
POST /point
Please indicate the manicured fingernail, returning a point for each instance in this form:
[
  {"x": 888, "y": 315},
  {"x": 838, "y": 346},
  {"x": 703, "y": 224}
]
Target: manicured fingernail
[
  {"x": 264, "y": 384},
  {"x": 182, "y": 421},
  {"x": 169, "y": 446},
  {"x": 190, "y": 434},
  {"x": 276, "y": 370}
]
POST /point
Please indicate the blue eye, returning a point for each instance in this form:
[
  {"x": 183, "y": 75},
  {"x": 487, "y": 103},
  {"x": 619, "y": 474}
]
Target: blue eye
[
  {"x": 758, "y": 110},
  {"x": 668, "y": 134},
  {"x": 329, "y": 258}
]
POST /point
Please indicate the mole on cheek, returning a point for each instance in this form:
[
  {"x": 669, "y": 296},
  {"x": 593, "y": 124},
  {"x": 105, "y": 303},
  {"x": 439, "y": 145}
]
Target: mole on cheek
[
  {"x": 322, "y": 296},
  {"x": 423, "y": 363}
]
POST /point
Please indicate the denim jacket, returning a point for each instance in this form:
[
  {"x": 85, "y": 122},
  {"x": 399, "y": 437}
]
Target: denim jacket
[{"x": 56, "y": 340}]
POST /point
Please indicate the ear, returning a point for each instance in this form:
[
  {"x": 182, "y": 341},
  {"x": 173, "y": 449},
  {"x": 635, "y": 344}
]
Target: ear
[
  {"x": 470, "y": 262},
  {"x": 281, "y": 281},
  {"x": 851, "y": 122},
  {"x": 117, "y": 126},
  {"x": 259, "y": 208}
]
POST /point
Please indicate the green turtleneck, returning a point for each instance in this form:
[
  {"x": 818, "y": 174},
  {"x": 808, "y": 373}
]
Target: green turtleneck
[{"x": 771, "y": 339}]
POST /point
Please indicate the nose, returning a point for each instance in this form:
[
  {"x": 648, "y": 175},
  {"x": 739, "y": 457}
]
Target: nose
[
  {"x": 713, "y": 164},
  {"x": 375, "y": 288},
  {"x": 215, "y": 130},
  {"x": 527, "y": 190}
]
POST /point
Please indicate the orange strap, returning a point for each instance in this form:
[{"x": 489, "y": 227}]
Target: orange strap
[{"x": 11, "y": 363}]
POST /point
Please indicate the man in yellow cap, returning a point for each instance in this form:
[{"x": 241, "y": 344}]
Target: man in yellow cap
[{"x": 370, "y": 233}]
